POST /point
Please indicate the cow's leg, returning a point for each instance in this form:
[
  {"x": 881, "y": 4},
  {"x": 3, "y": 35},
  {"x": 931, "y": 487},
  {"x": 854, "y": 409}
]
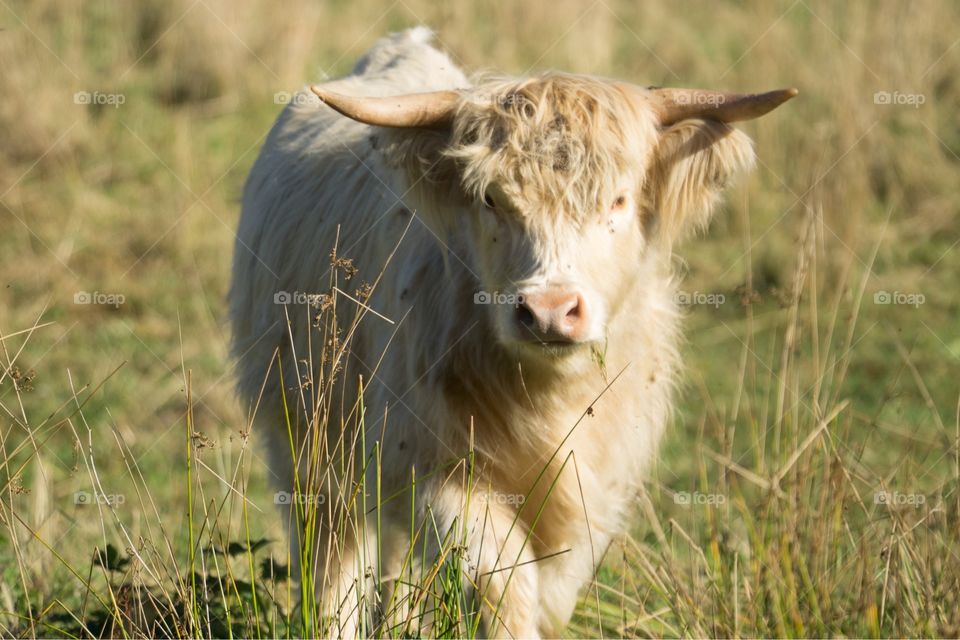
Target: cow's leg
[
  {"x": 564, "y": 576},
  {"x": 399, "y": 571},
  {"x": 499, "y": 568},
  {"x": 333, "y": 553},
  {"x": 329, "y": 557},
  {"x": 341, "y": 566}
]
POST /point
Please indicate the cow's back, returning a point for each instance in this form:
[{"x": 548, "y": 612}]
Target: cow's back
[{"x": 320, "y": 182}]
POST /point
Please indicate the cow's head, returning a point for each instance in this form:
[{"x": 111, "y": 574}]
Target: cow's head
[{"x": 567, "y": 185}]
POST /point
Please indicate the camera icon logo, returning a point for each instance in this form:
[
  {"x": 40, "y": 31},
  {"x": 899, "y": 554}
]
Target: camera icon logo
[
  {"x": 82, "y": 297},
  {"x": 882, "y": 297},
  {"x": 285, "y": 97},
  {"x": 282, "y": 497},
  {"x": 681, "y": 497},
  {"x": 481, "y": 297},
  {"x": 82, "y": 497},
  {"x": 882, "y": 97},
  {"x": 282, "y": 297},
  {"x": 81, "y": 97}
]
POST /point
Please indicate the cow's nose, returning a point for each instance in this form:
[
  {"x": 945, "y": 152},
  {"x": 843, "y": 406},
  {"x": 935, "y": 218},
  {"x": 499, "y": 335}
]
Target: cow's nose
[{"x": 553, "y": 316}]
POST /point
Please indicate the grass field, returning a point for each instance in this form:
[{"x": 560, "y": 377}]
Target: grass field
[{"x": 809, "y": 482}]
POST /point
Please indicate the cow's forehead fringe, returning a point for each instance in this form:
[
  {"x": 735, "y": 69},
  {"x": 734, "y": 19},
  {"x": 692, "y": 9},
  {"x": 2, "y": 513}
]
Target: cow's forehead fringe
[{"x": 557, "y": 142}]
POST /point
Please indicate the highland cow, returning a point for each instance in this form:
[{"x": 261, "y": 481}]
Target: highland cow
[{"x": 516, "y": 346}]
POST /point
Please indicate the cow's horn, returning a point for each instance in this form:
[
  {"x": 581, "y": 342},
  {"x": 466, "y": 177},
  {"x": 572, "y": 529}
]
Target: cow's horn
[
  {"x": 673, "y": 105},
  {"x": 433, "y": 110}
]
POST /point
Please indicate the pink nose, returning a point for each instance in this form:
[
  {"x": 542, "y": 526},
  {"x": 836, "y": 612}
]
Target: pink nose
[{"x": 553, "y": 315}]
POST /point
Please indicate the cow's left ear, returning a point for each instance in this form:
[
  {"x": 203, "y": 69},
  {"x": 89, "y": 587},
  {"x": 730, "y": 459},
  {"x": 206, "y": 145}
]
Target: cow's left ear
[{"x": 693, "y": 162}]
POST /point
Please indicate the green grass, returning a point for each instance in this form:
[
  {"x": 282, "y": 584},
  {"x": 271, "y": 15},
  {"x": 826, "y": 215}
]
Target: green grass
[{"x": 799, "y": 376}]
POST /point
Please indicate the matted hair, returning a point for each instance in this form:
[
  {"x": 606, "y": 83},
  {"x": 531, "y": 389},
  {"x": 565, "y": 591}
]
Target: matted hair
[
  {"x": 559, "y": 141},
  {"x": 562, "y": 137}
]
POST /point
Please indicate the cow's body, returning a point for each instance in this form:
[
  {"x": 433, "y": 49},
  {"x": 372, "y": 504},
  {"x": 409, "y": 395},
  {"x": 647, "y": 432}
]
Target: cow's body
[{"x": 437, "y": 382}]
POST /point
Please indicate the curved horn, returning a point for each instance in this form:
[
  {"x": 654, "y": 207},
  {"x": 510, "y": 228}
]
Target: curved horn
[
  {"x": 425, "y": 110},
  {"x": 673, "y": 105}
]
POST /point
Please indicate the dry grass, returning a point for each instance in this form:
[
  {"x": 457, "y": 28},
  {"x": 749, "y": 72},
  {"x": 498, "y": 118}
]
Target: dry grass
[{"x": 808, "y": 397}]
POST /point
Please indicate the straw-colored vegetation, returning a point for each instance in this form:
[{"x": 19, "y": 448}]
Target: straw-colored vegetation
[{"x": 809, "y": 484}]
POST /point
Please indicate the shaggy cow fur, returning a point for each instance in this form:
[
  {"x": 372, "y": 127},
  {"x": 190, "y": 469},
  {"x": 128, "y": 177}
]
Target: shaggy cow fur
[{"x": 544, "y": 181}]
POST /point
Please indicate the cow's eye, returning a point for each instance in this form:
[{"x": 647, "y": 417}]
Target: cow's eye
[
  {"x": 619, "y": 203},
  {"x": 488, "y": 201}
]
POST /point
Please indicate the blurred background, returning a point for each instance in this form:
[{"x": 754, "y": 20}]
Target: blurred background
[{"x": 831, "y": 273}]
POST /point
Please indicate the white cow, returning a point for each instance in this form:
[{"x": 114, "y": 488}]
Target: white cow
[{"x": 519, "y": 345}]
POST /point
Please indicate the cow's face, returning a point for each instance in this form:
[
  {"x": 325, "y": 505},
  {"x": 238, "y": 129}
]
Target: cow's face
[
  {"x": 551, "y": 280},
  {"x": 562, "y": 188},
  {"x": 571, "y": 187}
]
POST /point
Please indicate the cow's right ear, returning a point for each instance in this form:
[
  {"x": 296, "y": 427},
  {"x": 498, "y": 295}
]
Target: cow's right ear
[
  {"x": 428, "y": 178},
  {"x": 412, "y": 132},
  {"x": 693, "y": 163}
]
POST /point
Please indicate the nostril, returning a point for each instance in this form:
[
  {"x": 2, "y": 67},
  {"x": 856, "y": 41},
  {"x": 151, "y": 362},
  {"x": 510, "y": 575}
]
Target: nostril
[
  {"x": 552, "y": 316},
  {"x": 525, "y": 315},
  {"x": 574, "y": 311}
]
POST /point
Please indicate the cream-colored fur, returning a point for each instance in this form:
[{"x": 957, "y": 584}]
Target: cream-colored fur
[{"x": 553, "y": 152}]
